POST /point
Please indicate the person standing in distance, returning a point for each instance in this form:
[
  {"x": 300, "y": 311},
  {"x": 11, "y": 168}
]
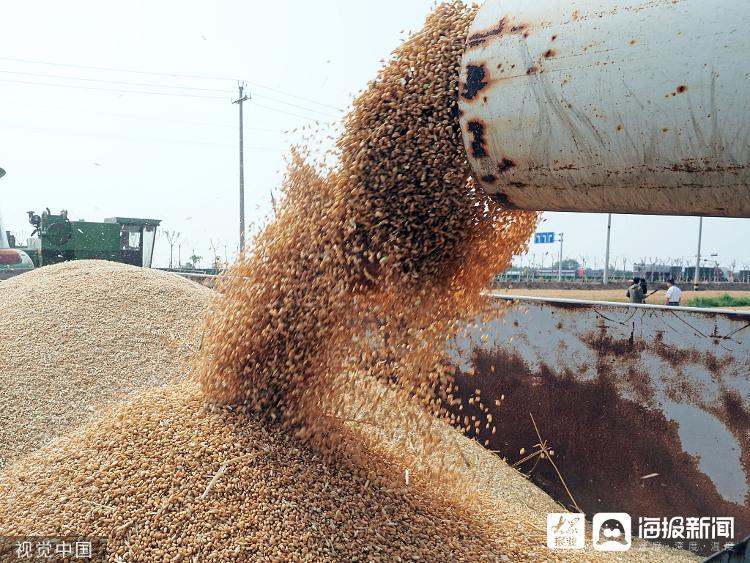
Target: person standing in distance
[
  {"x": 635, "y": 292},
  {"x": 674, "y": 293}
]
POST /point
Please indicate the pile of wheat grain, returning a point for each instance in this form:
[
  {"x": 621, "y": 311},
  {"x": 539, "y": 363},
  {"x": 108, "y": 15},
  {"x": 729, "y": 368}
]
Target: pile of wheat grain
[
  {"x": 165, "y": 477},
  {"x": 80, "y": 334}
]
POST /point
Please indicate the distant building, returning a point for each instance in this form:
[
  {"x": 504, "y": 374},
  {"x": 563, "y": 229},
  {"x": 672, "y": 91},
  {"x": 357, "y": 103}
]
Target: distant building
[{"x": 658, "y": 272}]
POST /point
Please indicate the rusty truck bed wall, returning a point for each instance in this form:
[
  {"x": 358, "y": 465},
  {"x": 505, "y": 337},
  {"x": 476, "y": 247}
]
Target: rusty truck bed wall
[{"x": 646, "y": 407}]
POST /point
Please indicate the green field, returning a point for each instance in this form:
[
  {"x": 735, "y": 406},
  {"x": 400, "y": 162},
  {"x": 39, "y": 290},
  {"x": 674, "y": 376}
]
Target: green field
[{"x": 724, "y": 301}]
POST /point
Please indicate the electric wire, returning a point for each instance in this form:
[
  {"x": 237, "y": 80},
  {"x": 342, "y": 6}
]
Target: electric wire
[
  {"x": 172, "y": 75},
  {"x": 121, "y": 82}
]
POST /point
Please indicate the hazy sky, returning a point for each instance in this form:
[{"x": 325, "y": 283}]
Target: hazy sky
[{"x": 99, "y": 151}]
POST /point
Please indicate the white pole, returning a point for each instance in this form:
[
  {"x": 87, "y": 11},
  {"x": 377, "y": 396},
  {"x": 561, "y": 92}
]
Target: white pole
[
  {"x": 559, "y": 264},
  {"x": 3, "y": 238},
  {"x": 696, "y": 278},
  {"x": 239, "y": 102},
  {"x": 606, "y": 254}
]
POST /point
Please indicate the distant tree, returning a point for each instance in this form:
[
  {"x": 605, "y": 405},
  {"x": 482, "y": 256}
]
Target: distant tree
[
  {"x": 216, "y": 259},
  {"x": 567, "y": 264},
  {"x": 22, "y": 236},
  {"x": 195, "y": 261},
  {"x": 173, "y": 238}
]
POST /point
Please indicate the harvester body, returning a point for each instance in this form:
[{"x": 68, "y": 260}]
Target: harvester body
[{"x": 119, "y": 239}]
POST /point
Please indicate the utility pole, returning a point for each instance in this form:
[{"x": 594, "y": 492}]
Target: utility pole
[
  {"x": 559, "y": 264},
  {"x": 696, "y": 278},
  {"x": 606, "y": 253},
  {"x": 242, "y": 98}
]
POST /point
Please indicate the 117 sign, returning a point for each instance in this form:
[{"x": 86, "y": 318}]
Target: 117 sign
[{"x": 544, "y": 238}]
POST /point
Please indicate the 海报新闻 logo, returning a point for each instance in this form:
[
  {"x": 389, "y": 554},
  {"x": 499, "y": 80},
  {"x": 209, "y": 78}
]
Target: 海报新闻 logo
[{"x": 611, "y": 531}]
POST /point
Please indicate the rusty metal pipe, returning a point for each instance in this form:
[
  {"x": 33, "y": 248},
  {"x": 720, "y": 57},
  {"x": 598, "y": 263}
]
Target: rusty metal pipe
[{"x": 628, "y": 106}]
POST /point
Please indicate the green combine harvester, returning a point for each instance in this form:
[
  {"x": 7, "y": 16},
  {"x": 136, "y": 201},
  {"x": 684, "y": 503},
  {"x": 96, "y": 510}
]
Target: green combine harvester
[
  {"x": 119, "y": 239},
  {"x": 57, "y": 239}
]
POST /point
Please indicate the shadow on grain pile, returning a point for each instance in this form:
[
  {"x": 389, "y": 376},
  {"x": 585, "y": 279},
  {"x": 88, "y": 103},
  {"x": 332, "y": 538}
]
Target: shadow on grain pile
[{"x": 314, "y": 431}]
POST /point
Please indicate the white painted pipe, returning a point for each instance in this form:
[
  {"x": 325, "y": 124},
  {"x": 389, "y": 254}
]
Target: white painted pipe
[{"x": 627, "y": 106}]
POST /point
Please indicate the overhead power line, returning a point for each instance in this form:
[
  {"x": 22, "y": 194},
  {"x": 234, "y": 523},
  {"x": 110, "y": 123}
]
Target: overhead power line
[
  {"x": 110, "y": 69},
  {"x": 122, "y": 82},
  {"x": 152, "y": 85},
  {"x": 117, "y": 90},
  {"x": 152, "y": 93},
  {"x": 256, "y": 104},
  {"x": 257, "y": 85},
  {"x": 171, "y": 75},
  {"x": 296, "y": 105}
]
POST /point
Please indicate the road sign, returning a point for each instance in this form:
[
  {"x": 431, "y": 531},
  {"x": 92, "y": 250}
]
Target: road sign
[{"x": 544, "y": 238}]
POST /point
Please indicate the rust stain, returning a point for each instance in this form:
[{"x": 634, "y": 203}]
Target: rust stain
[
  {"x": 735, "y": 412},
  {"x": 502, "y": 199},
  {"x": 478, "y": 142},
  {"x": 489, "y": 178},
  {"x": 640, "y": 384},
  {"x": 571, "y": 306},
  {"x": 549, "y": 53},
  {"x": 532, "y": 70},
  {"x": 697, "y": 165},
  {"x": 681, "y": 89},
  {"x": 554, "y": 38},
  {"x": 585, "y": 422},
  {"x": 481, "y": 38},
  {"x": 731, "y": 411},
  {"x": 476, "y": 81},
  {"x": 505, "y": 164},
  {"x": 603, "y": 343},
  {"x": 678, "y": 357}
]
